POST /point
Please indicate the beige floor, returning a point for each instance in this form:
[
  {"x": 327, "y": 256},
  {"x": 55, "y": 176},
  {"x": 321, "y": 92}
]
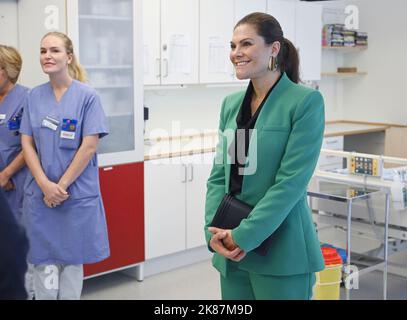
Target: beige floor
[
  {"x": 201, "y": 282},
  {"x": 195, "y": 282}
]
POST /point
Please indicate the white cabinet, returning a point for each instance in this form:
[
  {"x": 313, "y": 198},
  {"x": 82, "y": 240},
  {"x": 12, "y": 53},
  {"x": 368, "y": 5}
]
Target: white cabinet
[
  {"x": 199, "y": 168},
  {"x": 164, "y": 208},
  {"x": 244, "y": 7},
  {"x": 151, "y": 42},
  {"x": 215, "y": 66},
  {"x": 330, "y": 162},
  {"x": 179, "y": 41},
  {"x": 175, "y": 192},
  {"x": 284, "y": 12},
  {"x": 308, "y": 39},
  {"x": 170, "y": 41},
  {"x": 107, "y": 39},
  {"x": 302, "y": 24}
]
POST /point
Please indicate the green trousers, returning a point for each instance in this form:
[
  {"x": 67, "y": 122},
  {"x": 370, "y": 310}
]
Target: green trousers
[{"x": 243, "y": 285}]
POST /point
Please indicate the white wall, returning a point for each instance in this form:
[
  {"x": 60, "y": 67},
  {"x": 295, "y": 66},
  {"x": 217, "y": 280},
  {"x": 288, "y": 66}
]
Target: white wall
[
  {"x": 32, "y": 16},
  {"x": 194, "y": 107},
  {"x": 8, "y": 23},
  {"x": 381, "y": 95}
]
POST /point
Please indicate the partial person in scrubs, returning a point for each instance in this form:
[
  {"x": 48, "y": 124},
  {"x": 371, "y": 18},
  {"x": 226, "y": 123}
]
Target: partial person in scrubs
[
  {"x": 63, "y": 208},
  {"x": 12, "y": 99},
  {"x": 13, "y": 171}
]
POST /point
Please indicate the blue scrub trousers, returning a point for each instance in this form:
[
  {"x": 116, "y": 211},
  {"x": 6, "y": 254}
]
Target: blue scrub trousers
[{"x": 243, "y": 285}]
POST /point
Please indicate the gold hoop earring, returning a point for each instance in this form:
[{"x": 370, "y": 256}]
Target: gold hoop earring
[{"x": 272, "y": 66}]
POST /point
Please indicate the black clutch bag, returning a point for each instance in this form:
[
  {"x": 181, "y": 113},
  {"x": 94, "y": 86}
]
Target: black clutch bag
[{"x": 229, "y": 214}]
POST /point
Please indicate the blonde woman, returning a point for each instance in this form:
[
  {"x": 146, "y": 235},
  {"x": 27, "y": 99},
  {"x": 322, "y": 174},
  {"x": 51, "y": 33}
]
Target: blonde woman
[{"x": 63, "y": 207}]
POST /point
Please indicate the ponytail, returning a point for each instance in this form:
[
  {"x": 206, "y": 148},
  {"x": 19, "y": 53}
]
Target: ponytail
[
  {"x": 289, "y": 60},
  {"x": 76, "y": 70}
]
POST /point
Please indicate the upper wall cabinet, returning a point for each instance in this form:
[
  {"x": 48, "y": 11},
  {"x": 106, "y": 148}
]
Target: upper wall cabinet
[
  {"x": 302, "y": 24},
  {"x": 179, "y": 41},
  {"x": 151, "y": 42},
  {"x": 215, "y": 65},
  {"x": 284, "y": 12},
  {"x": 308, "y": 39},
  {"x": 177, "y": 60},
  {"x": 244, "y": 7}
]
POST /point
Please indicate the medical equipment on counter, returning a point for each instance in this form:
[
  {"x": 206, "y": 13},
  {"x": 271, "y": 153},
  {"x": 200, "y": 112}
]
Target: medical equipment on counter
[{"x": 368, "y": 215}]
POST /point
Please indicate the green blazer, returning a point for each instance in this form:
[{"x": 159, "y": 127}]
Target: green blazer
[{"x": 289, "y": 133}]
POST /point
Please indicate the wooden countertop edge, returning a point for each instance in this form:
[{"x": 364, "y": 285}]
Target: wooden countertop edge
[
  {"x": 353, "y": 132},
  {"x": 365, "y": 123}
]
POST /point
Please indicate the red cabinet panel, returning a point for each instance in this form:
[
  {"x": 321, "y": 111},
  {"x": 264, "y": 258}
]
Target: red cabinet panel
[{"x": 122, "y": 189}]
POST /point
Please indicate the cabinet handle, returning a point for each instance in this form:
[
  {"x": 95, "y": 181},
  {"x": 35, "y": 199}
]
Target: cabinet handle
[
  {"x": 166, "y": 68},
  {"x": 184, "y": 178},
  {"x": 191, "y": 177},
  {"x": 157, "y": 68}
]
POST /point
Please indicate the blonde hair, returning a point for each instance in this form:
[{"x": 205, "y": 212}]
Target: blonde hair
[
  {"x": 75, "y": 69},
  {"x": 11, "y": 62}
]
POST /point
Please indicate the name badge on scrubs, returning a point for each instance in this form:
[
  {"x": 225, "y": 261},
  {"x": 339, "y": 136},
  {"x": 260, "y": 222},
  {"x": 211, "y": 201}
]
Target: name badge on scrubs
[
  {"x": 68, "y": 129},
  {"x": 2, "y": 117},
  {"x": 50, "y": 123}
]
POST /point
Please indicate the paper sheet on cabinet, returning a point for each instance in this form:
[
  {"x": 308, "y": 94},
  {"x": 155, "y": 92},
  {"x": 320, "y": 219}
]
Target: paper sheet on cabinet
[
  {"x": 179, "y": 54},
  {"x": 217, "y": 55}
]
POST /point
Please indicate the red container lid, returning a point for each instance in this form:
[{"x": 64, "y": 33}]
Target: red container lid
[{"x": 331, "y": 256}]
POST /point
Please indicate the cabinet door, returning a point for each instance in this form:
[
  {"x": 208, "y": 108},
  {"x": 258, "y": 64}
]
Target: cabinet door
[
  {"x": 244, "y": 7},
  {"x": 199, "y": 168},
  {"x": 164, "y": 190},
  {"x": 151, "y": 41},
  {"x": 179, "y": 41},
  {"x": 308, "y": 39},
  {"x": 284, "y": 12},
  {"x": 215, "y": 66},
  {"x": 124, "y": 209},
  {"x": 107, "y": 37}
]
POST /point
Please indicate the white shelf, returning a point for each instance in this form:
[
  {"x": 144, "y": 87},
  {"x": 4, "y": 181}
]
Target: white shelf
[
  {"x": 345, "y": 49},
  {"x": 106, "y": 18}
]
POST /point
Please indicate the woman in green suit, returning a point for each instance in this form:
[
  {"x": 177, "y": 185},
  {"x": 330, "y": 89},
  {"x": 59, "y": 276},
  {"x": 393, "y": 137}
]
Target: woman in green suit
[{"x": 270, "y": 139}]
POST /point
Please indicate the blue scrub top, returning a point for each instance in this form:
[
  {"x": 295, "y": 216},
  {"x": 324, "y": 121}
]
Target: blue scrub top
[
  {"x": 11, "y": 111},
  {"x": 74, "y": 232}
]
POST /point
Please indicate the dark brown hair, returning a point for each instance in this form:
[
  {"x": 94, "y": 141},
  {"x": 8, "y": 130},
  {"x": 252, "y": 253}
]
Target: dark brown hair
[{"x": 270, "y": 30}]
